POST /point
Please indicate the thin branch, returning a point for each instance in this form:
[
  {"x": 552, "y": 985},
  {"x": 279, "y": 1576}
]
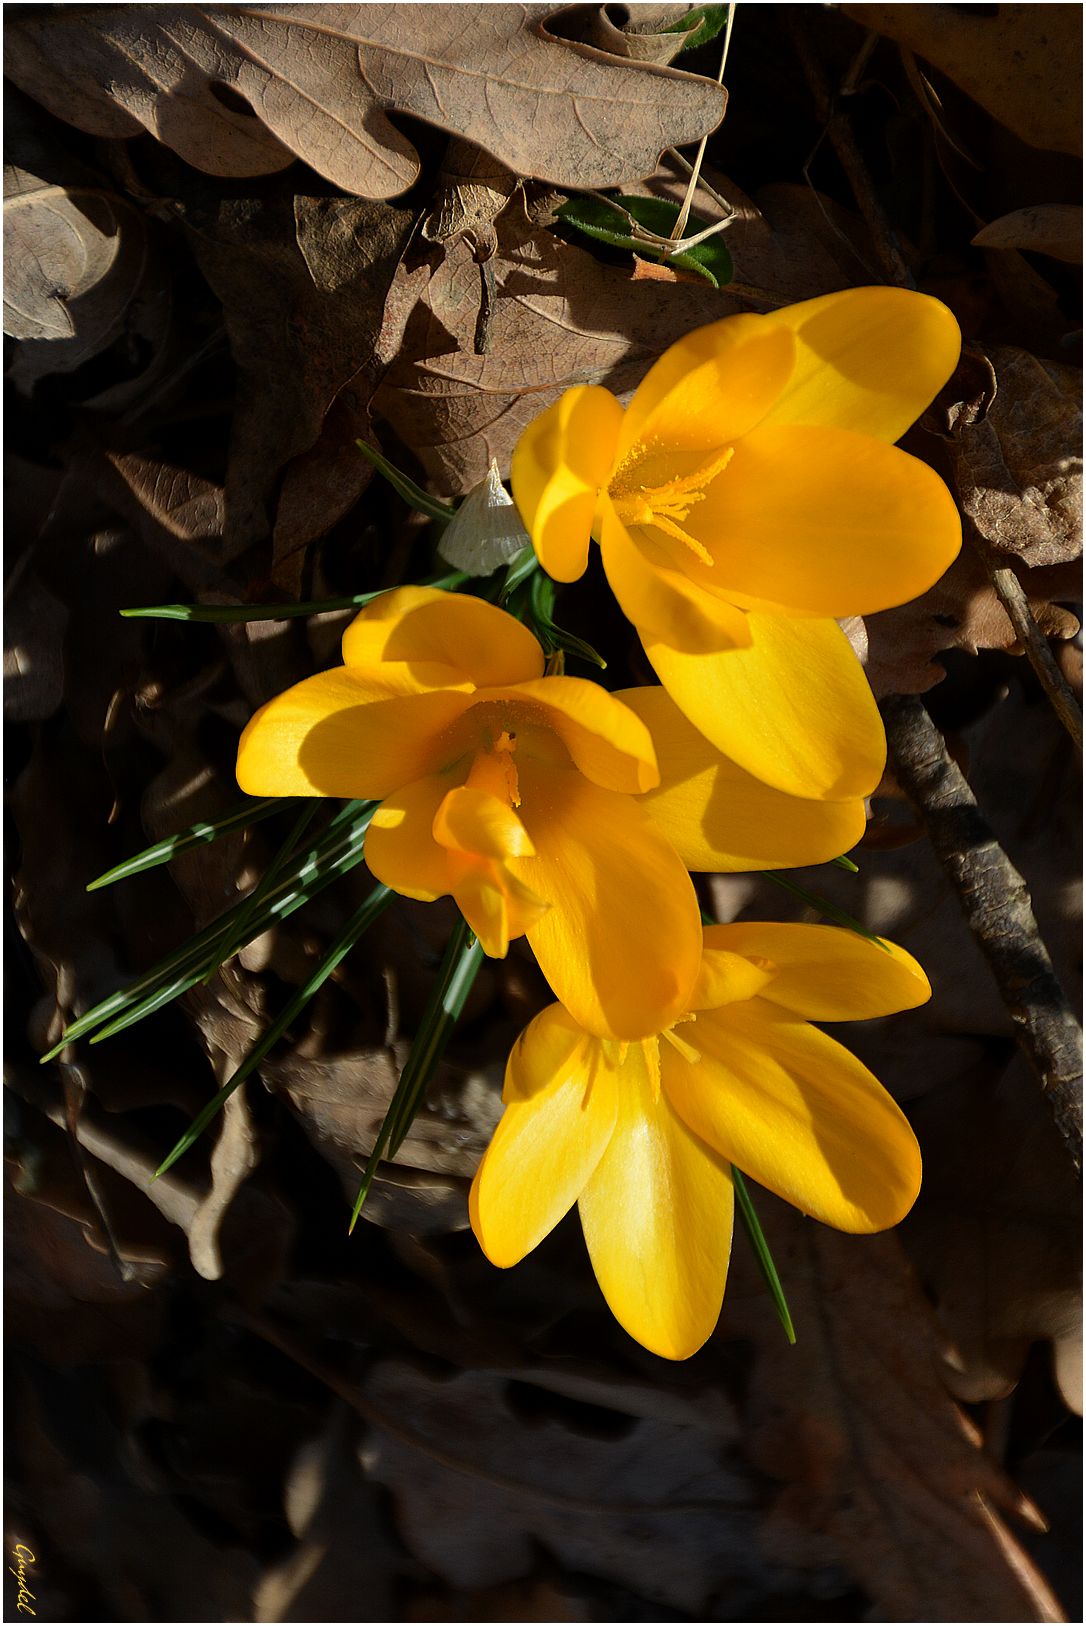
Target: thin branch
[
  {"x": 996, "y": 904},
  {"x": 684, "y": 213},
  {"x": 1038, "y": 650}
]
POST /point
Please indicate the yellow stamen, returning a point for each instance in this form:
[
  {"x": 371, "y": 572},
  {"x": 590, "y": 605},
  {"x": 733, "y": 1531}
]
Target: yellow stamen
[
  {"x": 686, "y": 1051},
  {"x": 665, "y": 506},
  {"x": 650, "y": 1049}
]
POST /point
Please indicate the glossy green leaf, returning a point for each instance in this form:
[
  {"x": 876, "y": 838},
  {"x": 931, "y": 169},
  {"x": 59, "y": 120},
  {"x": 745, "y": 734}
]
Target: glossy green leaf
[{"x": 595, "y": 218}]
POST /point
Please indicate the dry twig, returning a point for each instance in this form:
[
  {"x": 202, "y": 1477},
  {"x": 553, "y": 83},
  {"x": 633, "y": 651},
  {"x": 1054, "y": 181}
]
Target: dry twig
[{"x": 997, "y": 906}]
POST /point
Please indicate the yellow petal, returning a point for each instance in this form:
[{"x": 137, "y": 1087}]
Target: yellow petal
[
  {"x": 550, "y": 1139},
  {"x": 606, "y": 740},
  {"x": 868, "y": 359},
  {"x": 827, "y": 973},
  {"x": 726, "y": 977},
  {"x": 718, "y": 817},
  {"x": 434, "y": 639},
  {"x": 560, "y": 463},
  {"x": 798, "y": 1113},
  {"x": 657, "y": 1218},
  {"x": 470, "y": 820},
  {"x": 494, "y": 903},
  {"x": 710, "y": 387},
  {"x": 659, "y": 597},
  {"x": 794, "y": 709},
  {"x": 329, "y": 736},
  {"x": 400, "y": 848},
  {"x": 826, "y": 522},
  {"x": 621, "y": 943}
]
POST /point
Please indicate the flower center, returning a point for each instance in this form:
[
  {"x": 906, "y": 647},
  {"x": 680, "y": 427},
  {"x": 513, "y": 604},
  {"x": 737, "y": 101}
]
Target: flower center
[{"x": 667, "y": 504}]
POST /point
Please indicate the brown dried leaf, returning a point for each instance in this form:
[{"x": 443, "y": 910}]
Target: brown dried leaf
[
  {"x": 1049, "y": 228},
  {"x": 1017, "y": 460},
  {"x": 73, "y": 260},
  {"x": 476, "y": 1485},
  {"x": 879, "y": 1471},
  {"x": 643, "y": 38},
  {"x": 1022, "y": 63},
  {"x": 321, "y": 80}
]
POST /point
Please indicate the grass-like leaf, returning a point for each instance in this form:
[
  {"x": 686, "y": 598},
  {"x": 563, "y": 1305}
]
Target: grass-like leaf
[
  {"x": 540, "y": 618},
  {"x": 758, "y": 1242},
  {"x": 411, "y": 493},
  {"x": 459, "y": 968},
  {"x": 197, "y": 835},
  {"x": 823, "y": 906},
  {"x": 227, "y": 613},
  {"x": 333, "y": 854},
  {"x": 363, "y": 917}
]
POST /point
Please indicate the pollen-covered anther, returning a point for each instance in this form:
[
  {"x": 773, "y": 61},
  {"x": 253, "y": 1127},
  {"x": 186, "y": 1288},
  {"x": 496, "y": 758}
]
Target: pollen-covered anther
[{"x": 666, "y": 506}]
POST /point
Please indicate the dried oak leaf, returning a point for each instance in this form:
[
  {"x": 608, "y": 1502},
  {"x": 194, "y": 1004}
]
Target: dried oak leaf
[
  {"x": 1021, "y": 63},
  {"x": 481, "y": 1470},
  {"x": 74, "y": 257},
  {"x": 1017, "y": 460},
  {"x": 1048, "y": 228},
  {"x": 321, "y": 80},
  {"x": 879, "y": 1470}
]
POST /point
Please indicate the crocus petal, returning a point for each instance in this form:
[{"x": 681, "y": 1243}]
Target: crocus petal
[
  {"x": 718, "y": 817},
  {"x": 329, "y": 736},
  {"x": 726, "y": 977},
  {"x": 657, "y": 1218},
  {"x": 827, "y": 973},
  {"x": 621, "y": 943},
  {"x": 797, "y": 1112},
  {"x": 826, "y": 522},
  {"x": 440, "y": 638},
  {"x": 661, "y": 600},
  {"x": 470, "y": 820},
  {"x": 494, "y": 903},
  {"x": 868, "y": 359},
  {"x": 710, "y": 387},
  {"x": 794, "y": 709},
  {"x": 548, "y": 1142},
  {"x": 606, "y": 740},
  {"x": 560, "y": 464},
  {"x": 401, "y": 850}
]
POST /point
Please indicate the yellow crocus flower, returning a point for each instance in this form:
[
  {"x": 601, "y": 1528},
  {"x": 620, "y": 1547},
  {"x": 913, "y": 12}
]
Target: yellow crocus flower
[
  {"x": 642, "y": 1136},
  {"x": 750, "y": 494},
  {"x": 512, "y": 791}
]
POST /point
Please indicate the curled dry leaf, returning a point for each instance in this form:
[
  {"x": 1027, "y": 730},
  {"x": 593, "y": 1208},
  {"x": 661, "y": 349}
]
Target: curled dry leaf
[
  {"x": 73, "y": 260},
  {"x": 321, "y": 79},
  {"x": 878, "y": 1469},
  {"x": 647, "y": 36},
  {"x": 1049, "y": 228},
  {"x": 1021, "y": 63}
]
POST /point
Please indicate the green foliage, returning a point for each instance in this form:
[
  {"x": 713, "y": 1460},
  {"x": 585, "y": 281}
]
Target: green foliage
[{"x": 595, "y": 218}]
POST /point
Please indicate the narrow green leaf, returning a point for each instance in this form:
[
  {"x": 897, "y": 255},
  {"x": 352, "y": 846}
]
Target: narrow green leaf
[
  {"x": 762, "y": 1254},
  {"x": 459, "y": 968},
  {"x": 541, "y": 596},
  {"x": 363, "y": 917},
  {"x": 709, "y": 259},
  {"x": 227, "y": 613},
  {"x": 411, "y": 493},
  {"x": 197, "y": 835},
  {"x": 846, "y": 863},
  {"x": 281, "y": 862},
  {"x": 823, "y": 906},
  {"x": 337, "y": 852},
  {"x": 519, "y": 569},
  {"x": 707, "y": 21}
]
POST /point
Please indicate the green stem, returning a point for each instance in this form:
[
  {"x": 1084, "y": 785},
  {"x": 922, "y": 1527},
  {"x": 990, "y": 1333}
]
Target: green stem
[{"x": 762, "y": 1254}]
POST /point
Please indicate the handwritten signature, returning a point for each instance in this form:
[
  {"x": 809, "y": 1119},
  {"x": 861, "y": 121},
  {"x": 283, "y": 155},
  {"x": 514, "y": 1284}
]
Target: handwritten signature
[{"x": 23, "y": 1559}]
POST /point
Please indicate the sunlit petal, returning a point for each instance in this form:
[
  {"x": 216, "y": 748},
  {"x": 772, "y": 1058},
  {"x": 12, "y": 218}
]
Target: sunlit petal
[
  {"x": 718, "y": 817},
  {"x": 606, "y": 740},
  {"x": 329, "y": 736},
  {"x": 798, "y": 1113},
  {"x": 621, "y": 943},
  {"x": 826, "y": 972},
  {"x": 826, "y": 522},
  {"x": 794, "y": 709},
  {"x": 657, "y": 1218},
  {"x": 401, "y": 850},
  {"x": 548, "y": 1143},
  {"x": 560, "y": 463},
  {"x": 661, "y": 600},
  {"x": 710, "y": 387},
  {"x": 438, "y": 639},
  {"x": 868, "y": 359}
]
